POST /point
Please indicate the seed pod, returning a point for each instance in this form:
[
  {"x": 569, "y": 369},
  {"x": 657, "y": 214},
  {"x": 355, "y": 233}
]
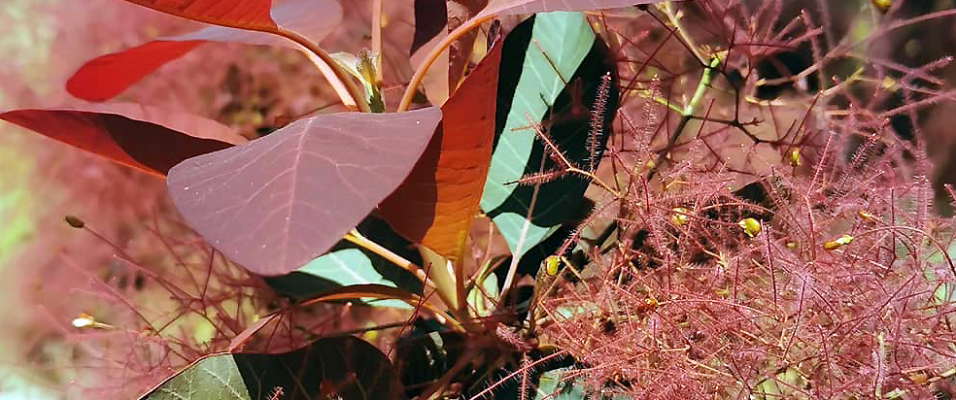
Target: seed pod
[{"x": 75, "y": 221}]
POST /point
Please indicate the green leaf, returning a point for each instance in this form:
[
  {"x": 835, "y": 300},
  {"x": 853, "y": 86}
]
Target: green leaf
[
  {"x": 554, "y": 386},
  {"x": 552, "y": 68},
  {"x": 341, "y": 367},
  {"x": 482, "y": 296},
  {"x": 551, "y": 384},
  {"x": 348, "y": 264}
]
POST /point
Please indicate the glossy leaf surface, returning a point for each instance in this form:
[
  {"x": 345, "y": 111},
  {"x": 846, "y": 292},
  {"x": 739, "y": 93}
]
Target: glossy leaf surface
[
  {"x": 437, "y": 202},
  {"x": 109, "y": 75},
  {"x": 278, "y": 202},
  {"x": 340, "y": 367},
  {"x": 551, "y": 71},
  {"x": 146, "y": 138}
]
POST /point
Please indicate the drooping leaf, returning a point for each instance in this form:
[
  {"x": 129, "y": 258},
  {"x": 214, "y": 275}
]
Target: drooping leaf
[
  {"x": 511, "y": 7},
  {"x": 107, "y": 76},
  {"x": 438, "y": 200},
  {"x": 276, "y": 203},
  {"x": 339, "y": 367},
  {"x": 556, "y": 71},
  {"x": 147, "y": 138},
  {"x": 245, "y": 14},
  {"x": 348, "y": 264}
]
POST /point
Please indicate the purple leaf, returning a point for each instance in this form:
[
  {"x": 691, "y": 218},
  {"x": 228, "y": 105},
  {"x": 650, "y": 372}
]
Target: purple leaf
[{"x": 278, "y": 202}]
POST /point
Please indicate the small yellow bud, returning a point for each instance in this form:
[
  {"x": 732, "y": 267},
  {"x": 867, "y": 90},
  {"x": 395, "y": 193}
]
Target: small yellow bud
[
  {"x": 918, "y": 378},
  {"x": 551, "y": 265},
  {"x": 882, "y": 5},
  {"x": 866, "y": 216},
  {"x": 795, "y": 160},
  {"x": 370, "y": 336},
  {"x": 679, "y": 216},
  {"x": 84, "y": 320},
  {"x": 889, "y": 84},
  {"x": 838, "y": 242},
  {"x": 750, "y": 226}
]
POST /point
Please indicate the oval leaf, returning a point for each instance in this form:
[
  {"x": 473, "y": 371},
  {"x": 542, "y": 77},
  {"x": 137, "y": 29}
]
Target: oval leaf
[
  {"x": 437, "y": 202},
  {"x": 107, "y": 76},
  {"x": 278, "y": 202},
  {"x": 147, "y": 138},
  {"x": 552, "y": 69},
  {"x": 340, "y": 367},
  {"x": 245, "y": 14}
]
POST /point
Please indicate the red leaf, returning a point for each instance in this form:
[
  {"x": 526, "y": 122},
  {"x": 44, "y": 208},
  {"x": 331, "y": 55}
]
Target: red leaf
[
  {"x": 246, "y": 14},
  {"x": 106, "y": 76},
  {"x": 437, "y": 202},
  {"x": 280, "y": 201},
  {"x": 145, "y": 138}
]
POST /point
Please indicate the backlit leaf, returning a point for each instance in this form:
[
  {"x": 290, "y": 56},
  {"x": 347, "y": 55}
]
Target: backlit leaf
[
  {"x": 552, "y": 69},
  {"x": 107, "y": 76},
  {"x": 437, "y": 202},
  {"x": 246, "y": 14},
  {"x": 341, "y": 367},
  {"x": 147, "y": 138},
  {"x": 276, "y": 203}
]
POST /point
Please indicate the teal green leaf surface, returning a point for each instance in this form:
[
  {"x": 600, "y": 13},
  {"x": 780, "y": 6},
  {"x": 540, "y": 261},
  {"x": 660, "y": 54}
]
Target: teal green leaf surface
[
  {"x": 553, "y": 386},
  {"x": 560, "y": 384},
  {"x": 348, "y": 264},
  {"x": 554, "y": 72},
  {"x": 341, "y": 367}
]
